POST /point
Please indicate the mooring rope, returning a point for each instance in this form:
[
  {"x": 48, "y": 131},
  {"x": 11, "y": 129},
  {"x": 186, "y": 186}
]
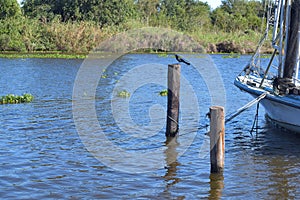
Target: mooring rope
[
  {"x": 235, "y": 114},
  {"x": 245, "y": 107},
  {"x": 173, "y": 120}
]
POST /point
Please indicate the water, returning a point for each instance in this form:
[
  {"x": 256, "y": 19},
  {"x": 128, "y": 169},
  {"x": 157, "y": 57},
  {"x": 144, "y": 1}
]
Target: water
[{"x": 43, "y": 153}]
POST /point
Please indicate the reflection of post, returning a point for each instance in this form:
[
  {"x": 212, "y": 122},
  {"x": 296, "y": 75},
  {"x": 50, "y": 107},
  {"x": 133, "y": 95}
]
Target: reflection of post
[
  {"x": 173, "y": 100},
  {"x": 171, "y": 153},
  {"x": 172, "y": 163},
  {"x": 216, "y": 186},
  {"x": 217, "y": 139}
]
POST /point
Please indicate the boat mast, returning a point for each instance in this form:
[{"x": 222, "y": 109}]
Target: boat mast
[
  {"x": 298, "y": 63},
  {"x": 279, "y": 32},
  {"x": 292, "y": 41},
  {"x": 298, "y": 59}
]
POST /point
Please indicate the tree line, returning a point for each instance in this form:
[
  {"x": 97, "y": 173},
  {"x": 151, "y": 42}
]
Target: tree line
[{"x": 40, "y": 24}]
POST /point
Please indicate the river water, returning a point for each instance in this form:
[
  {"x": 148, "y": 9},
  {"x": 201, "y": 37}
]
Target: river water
[{"x": 102, "y": 146}]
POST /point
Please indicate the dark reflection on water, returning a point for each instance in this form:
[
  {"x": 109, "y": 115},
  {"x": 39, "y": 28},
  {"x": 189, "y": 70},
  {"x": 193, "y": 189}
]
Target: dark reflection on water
[
  {"x": 171, "y": 177},
  {"x": 216, "y": 186},
  {"x": 42, "y": 156}
]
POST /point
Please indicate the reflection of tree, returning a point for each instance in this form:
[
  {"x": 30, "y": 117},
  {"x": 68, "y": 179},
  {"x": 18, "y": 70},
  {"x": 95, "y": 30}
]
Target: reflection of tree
[
  {"x": 216, "y": 186},
  {"x": 279, "y": 178},
  {"x": 277, "y": 161},
  {"x": 279, "y": 157},
  {"x": 270, "y": 163}
]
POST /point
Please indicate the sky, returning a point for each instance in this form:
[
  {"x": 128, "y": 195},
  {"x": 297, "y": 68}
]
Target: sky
[{"x": 212, "y": 3}]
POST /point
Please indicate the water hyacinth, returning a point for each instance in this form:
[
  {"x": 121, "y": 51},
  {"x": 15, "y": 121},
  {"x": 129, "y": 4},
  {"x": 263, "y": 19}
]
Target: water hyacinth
[
  {"x": 124, "y": 94},
  {"x": 164, "y": 93},
  {"x": 232, "y": 55},
  {"x": 14, "y": 99}
]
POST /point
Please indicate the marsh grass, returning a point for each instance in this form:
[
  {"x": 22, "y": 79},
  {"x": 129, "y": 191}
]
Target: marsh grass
[
  {"x": 30, "y": 35},
  {"x": 27, "y": 38},
  {"x": 245, "y": 41},
  {"x": 157, "y": 39}
]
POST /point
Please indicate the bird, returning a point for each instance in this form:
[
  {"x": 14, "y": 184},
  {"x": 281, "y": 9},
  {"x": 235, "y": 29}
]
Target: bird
[{"x": 180, "y": 59}]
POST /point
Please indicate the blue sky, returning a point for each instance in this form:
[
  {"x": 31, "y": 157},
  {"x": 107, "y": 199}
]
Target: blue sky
[{"x": 212, "y": 3}]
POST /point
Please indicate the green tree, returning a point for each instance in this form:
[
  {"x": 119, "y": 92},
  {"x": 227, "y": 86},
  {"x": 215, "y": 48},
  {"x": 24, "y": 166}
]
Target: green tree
[
  {"x": 115, "y": 12},
  {"x": 104, "y": 12},
  {"x": 43, "y": 10},
  {"x": 10, "y": 35},
  {"x": 197, "y": 15},
  {"x": 9, "y": 8},
  {"x": 238, "y": 15},
  {"x": 186, "y": 14},
  {"x": 148, "y": 9}
]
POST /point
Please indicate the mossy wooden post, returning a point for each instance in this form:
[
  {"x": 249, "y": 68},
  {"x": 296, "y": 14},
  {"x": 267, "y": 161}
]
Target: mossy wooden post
[
  {"x": 217, "y": 139},
  {"x": 173, "y": 100}
]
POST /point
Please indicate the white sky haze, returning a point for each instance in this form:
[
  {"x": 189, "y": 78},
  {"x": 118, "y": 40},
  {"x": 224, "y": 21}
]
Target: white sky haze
[{"x": 212, "y": 3}]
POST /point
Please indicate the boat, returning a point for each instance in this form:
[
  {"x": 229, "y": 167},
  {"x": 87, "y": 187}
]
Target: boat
[{"x": 278, "y": 77}]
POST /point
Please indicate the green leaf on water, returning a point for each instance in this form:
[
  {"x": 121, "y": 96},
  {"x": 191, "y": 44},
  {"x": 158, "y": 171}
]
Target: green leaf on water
[
  {"x": 232, "y": 55},
  {"x": 124, "y": 94},
  {"x": 14, "y": 99},
  {"x": 163, "y": 93}
]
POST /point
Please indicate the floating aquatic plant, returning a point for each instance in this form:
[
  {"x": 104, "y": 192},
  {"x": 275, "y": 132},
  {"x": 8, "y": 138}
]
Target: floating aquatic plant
[
  {"x": 124, "y": 94},
  {"x": 164, "y": 93},
  {"x": 163, "y": 55},
  {"x": 14, "y": 99},
  {"x": 265, "y": 56},
  {"x": 41, "y": 55},
  {"x": 232, "y": 55}
]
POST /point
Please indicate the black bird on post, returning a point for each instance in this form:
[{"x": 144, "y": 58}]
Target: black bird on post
[{"x": 180, "y": 59}]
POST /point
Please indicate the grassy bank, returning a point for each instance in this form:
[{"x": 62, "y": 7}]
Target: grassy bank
[
  {"x": 30, "y": 38},
  {"x": 235, "y": 42}
]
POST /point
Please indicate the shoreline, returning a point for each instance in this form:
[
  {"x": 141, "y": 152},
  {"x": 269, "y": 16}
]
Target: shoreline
[
  {"x": 42, "y": 54},
  {"x": 62, "y": 55}
]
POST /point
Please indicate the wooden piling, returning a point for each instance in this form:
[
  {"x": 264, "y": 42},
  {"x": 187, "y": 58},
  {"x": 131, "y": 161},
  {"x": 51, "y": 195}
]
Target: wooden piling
[
  {"x": 173, "y": 100},
  {"x": 217, "y": 139}
]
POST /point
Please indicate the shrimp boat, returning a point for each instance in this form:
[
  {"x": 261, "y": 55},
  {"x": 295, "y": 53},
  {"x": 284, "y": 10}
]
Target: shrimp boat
[{"x": 278, "y": 80}]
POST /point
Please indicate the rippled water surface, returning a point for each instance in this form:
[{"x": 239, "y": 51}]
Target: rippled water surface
[{"x": 45, "y": 154}]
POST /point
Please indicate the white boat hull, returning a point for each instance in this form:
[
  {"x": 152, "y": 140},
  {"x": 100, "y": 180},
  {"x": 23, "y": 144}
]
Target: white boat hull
[
  {"x": 283, "y": 111},
  {"x": 285, "y": 116}
]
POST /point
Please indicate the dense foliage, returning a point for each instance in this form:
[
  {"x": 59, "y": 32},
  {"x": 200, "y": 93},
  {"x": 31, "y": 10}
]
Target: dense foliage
[
  {"x": 111, "y": 12},
  {"x": 9, "y": 8},
  {"x": 238, "y": 15},
  {"x": 76, "y": 25}
]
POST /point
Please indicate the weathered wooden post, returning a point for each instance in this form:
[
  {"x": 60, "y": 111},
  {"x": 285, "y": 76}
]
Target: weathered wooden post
[
  {"x": 217, "y": 139},
  {"x": 173, "y": 100}
]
